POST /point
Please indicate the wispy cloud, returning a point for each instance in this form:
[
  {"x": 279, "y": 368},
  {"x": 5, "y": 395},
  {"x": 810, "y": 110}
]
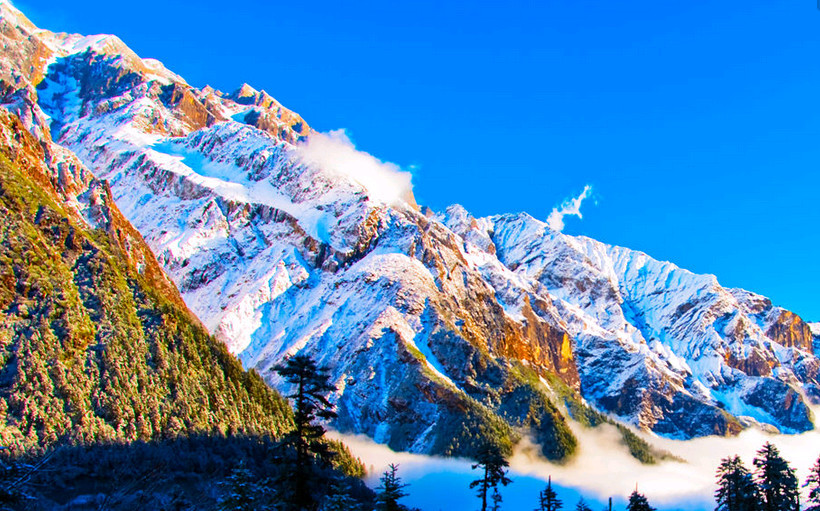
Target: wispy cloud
[
  {"x": 570, "y": 207},
  {"x": 334, "y": 151}
]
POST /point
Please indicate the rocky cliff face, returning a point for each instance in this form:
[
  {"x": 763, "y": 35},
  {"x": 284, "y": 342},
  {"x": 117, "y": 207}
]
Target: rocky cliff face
[{"x": 437, "y": 328}]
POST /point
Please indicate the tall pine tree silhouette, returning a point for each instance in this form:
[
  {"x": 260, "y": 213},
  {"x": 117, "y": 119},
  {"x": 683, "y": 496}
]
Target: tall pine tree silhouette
[
  {"x": 491, "y": 461},
  {"x": 776, "y": 480},
  {"x": 736, "y": 487},
  {"x": 303, "y": 447},
  {"x": 547, "y": 498}
]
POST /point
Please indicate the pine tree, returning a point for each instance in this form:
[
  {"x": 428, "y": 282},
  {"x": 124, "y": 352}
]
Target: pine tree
[
  {"x": 582, "y": 505},
  {"x": 547, "y": 498},
  {"x": 492, "y": 462},
  {"x": 302, "y": 448},
  {"x": 776, "y": 479},
  {"x": 736, "y": 487},
  {"x": 310, "y": 404},
  {"x": 638, "y": 502},
  {"x": 239, "y": 491},
  {"x": 813, "y": 484},
  {"x": 390, "y": 491}
]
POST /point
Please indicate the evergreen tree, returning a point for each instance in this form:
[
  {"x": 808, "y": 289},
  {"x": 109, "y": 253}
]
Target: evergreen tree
[
  {"x": 240, "y": 491},
  {"x": 303, "y": 452},
  {"x": 582, "y": 505},
  {"x": 813, "y": 484},
  {"x": 736, "y": 487},
  {"x": 547, "y": 498},
  {"x": 638, "y": 502},
  {"x": 776, "y": 479},
  {"x": 390, "y": 491},
  {"x": 339, "y": 499},
  {"x": 309, "y": 405},
  {"x": 491, "y": 460}
]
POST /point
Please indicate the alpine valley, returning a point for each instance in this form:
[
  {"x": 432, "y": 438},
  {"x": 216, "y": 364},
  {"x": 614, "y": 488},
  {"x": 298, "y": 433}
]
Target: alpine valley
[{"x": 439, "y": 329}]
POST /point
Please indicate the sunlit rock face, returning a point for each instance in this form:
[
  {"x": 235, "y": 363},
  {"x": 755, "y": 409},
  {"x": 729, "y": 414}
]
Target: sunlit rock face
[{"x": 430, "y": 323}]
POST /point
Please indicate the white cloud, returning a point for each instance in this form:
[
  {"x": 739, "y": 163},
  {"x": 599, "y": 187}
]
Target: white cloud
[
  {"x": 569, "y": 207},
  {"x": 603, "y": 467},
  {"x": 334, "y": 151}
]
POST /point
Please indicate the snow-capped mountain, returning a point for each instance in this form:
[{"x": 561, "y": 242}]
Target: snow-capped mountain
[{"x": 436, "y": 327}]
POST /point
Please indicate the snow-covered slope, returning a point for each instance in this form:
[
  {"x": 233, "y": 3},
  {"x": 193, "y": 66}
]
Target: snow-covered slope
[
  {"x": 686, "y": 343},
  {"x": 437, "y": 328}
]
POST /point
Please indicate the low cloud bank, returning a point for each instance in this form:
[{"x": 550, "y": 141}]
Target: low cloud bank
[
  {"x": 334, "y": 151},
  {"x": 602, "y": 468}
]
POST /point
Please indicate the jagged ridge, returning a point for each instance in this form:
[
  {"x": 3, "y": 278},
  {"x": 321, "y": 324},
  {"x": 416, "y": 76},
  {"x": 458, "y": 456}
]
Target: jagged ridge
[{"x": 426, "y": 320}]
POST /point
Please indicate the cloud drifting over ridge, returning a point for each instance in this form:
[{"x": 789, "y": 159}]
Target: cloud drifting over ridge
[
  {"x": 570, "y": 207},
  {"x": 334, "y": 151}
]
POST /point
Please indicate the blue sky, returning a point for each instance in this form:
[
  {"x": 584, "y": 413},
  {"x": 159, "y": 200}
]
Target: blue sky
[{"x": 695, "y": 123}]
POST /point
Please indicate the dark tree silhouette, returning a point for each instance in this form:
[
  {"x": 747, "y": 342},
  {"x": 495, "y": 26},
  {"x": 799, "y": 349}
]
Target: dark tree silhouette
[
  {"x": 776, "y": 480},
  {"x": 301, "y": 448},
  {"x": 491, "y": 460},
  {"x": 582, "y": 505},
  {"x": 736, "y": 487},
  {"x": 390, "y": 491},
  {"x": 339, "y": 499},
  {"x": 813, "y": 484},
  {"x": 547, "y": 498},
  {"x": 638, "y": 502},
  {"x": 240, "y": 491}
]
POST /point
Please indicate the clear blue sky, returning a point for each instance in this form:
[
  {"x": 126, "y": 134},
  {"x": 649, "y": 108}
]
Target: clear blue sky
[{"x": 696, "y": 123}]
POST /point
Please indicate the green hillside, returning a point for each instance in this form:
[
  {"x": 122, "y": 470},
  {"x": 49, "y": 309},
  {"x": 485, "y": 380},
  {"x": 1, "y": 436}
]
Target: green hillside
[{"x": 103, "y": 371}]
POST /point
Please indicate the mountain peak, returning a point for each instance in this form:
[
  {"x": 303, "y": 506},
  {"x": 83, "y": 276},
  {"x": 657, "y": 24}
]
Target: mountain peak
[
  {"x": 245, "y": 94},
  {"x": 12, "y": 14}
]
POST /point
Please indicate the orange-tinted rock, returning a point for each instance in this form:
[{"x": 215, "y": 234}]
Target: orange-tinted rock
[
  {"x": 791, "y": 331},
  {"x": 180, "y": 98},
  {"x": 756, "y": 364}
]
